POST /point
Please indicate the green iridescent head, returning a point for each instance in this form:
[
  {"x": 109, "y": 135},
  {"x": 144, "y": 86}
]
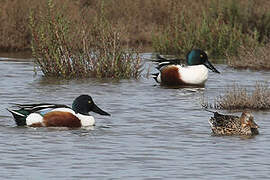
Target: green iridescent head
[
  {"x": 199, "y": 57},
  {"x": 84, "y": 104}
]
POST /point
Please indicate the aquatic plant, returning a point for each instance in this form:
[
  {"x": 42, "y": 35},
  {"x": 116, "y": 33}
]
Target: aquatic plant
[
  {"x": 62, "y": 50},
  {"x": 239, "y": 98}
]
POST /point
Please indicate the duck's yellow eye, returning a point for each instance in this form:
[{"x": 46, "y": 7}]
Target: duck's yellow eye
[
  {"x": 201, "y": 56},
  {"x": 89, "y": 102}
]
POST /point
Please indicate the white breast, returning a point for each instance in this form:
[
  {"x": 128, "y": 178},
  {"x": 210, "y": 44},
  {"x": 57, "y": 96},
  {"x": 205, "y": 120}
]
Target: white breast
[
  {"x": 86, "y": 120},
  {"x": 196, "y": 75}
]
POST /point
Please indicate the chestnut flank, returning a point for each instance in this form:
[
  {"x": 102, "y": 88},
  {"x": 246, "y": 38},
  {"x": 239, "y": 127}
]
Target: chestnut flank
[
  {"x": 61, "y": 119},
  {"x": 170, "y": 76}
]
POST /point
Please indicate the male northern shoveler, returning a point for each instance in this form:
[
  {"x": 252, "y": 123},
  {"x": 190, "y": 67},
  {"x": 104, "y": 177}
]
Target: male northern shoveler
[
  {"x": 194, "y": 74},
  {"x": 57, "y": 115},
  {"x": 234, "y": 125}
]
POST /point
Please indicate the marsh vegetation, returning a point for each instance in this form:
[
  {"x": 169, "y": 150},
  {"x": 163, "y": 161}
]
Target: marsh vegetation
[
  {"x": 113, "y": 30},
  {"x": 167, "y": 25},
  {"x": 251, "y": 58},
  {"x": 241, "y": 98},
  {"x": 93, "y": 50}
]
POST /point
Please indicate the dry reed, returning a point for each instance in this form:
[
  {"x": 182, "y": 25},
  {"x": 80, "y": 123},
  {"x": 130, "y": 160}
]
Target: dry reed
[
  {"x": 238, "y": 98},
  {"x": 252, "y": 58}
]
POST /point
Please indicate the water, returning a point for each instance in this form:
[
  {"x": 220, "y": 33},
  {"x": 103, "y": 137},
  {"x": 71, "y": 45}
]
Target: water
[{"x": 153, "y": 133}]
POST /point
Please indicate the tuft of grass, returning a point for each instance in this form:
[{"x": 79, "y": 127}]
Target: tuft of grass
[
  {"x": 251, "y": 58},
  {"x": 86, "y": 50},
  {"x": 238, "y": 98}
]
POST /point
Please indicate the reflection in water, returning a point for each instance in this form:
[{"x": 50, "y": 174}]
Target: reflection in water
[{"x": 154, "y": 132}]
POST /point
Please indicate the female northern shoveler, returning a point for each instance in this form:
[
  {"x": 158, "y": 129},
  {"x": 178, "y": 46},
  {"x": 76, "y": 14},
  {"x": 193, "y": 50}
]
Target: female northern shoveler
[
  {"x": 234, "y": 125},
  {"x": 57, "y": 115},
  {"x": 195, "y": 73}
]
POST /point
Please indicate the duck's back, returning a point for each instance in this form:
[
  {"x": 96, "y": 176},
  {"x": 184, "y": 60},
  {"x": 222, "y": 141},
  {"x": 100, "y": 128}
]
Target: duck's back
[{"x": 225, "y": 124}]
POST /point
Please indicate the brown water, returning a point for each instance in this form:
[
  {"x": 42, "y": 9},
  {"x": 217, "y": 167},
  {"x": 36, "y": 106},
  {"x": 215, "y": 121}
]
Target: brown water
[{"x": 153, "y": 133}]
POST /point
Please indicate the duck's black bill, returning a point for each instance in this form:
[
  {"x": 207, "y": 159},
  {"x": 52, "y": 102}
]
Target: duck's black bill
[
  {"x": 211, "y": 67},
  {"x": 96, "y": 109}
]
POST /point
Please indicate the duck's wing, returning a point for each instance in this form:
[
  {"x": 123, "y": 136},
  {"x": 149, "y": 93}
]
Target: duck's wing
[
  {"x": 165, "y": 62},
  {"x": 31, "y": 108},
  {"x": 221, "y": 120},
  {"x": 21, "y": 111}
]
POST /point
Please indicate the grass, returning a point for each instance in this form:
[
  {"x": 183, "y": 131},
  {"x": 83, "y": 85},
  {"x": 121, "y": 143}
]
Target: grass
[
  {"x": 221, "y": 28},
  {"x": 89, "y": 51},
  {"x": 251, "y": 58},
  {"x": 14, "y": 30},
  {"x": 239, "y": 98}
]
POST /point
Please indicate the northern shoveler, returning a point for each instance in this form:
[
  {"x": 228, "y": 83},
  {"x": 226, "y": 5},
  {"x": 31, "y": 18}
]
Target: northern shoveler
[
  {"x": 57, "y": 115},
  {"x": 234, "y": 125},
  {"x": 172, "y": 73}
]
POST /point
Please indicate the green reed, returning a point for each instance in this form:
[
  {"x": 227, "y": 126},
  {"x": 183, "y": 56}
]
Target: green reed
[{"x": 220, "y": 29}]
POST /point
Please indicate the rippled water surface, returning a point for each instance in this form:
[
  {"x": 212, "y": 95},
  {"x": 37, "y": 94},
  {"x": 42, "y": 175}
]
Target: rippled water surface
[{"x": 154, "y": 132}]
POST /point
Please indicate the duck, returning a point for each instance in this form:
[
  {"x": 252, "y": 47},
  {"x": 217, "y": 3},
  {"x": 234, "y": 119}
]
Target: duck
[
  {"x": 57, "y": 115},
  {"x": 194, "y": 73},
  {"x": 233, "y": 125}
]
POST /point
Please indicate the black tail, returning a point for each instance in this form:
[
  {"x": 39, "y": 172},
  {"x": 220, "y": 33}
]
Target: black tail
[
  {"x": 155, "y": 76},
  {"x": 19, "y": 118},
  {"x": 216, "y": 114}
]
